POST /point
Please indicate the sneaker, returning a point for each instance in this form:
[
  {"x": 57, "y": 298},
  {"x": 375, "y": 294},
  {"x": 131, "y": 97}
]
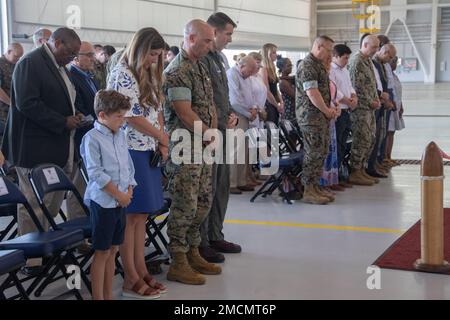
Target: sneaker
[
  {"x": 225, "y": 246},
  {"x": 211, "y": 255}
]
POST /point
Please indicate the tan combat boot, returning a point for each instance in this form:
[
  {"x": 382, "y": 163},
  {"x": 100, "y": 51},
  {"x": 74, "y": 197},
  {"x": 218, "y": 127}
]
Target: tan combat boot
[
  {"x": 358, "y": 178},
  {"x": 201, "y": 265},
  {"x": 369, "y": 177},
  {"x": 310, "y": 195},
  {"x": 324, "y": 193},
  {"x": 181, "y": 271}
]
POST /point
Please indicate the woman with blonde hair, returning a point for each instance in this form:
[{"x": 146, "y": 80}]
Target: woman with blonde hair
[
  {"x": 138, "y": 75},
  {"x": 274, "y": 104}
]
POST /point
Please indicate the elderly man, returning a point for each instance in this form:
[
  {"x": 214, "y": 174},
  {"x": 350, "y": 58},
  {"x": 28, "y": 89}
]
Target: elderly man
[
  {"x": 42, "y": 119},
  {"x": 376, "y": 167},
  {"x": 41, "y": 36},
  {"x": 190, "y": 102},
  {"x": 314, "y": 112},
  {"x": 242, "y": 102},
  {"x": 363, "y": 118},
  {"x": 81, "y": 69},
  {"x": 7, "y": 63}
]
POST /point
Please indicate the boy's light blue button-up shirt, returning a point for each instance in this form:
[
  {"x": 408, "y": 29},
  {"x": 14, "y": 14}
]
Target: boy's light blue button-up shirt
[{"x": 106, "y": 157}]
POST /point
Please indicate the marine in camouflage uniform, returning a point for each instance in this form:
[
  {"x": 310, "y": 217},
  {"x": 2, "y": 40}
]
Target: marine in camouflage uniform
[
  {"x": 313, "y": 123},
  {"x": 100, "y": 74},
  {"x": 191, "y": 185},
  {"x": 363, "y": 117}
]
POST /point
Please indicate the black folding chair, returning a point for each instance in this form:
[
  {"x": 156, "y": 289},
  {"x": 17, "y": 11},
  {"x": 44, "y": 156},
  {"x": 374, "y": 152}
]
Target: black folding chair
[
  {"x": 55, "y": 247},
  {"x": 289, "y": 164},
  {"x": 8, "y": 212},
  {"x": 154, "y": 233},
  {"x": 292, "y": 136},
  {"x": 49, "y": 178},
  {"x": 10, "y": 263},
  {"x": 10, "y": 231}
]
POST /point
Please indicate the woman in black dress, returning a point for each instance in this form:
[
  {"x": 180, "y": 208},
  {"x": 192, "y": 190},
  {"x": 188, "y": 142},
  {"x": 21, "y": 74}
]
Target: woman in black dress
[{"x": 274, "y": 104}]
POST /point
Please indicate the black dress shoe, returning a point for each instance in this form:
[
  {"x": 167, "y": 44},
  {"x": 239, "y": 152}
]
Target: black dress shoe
[
  {"x": 246, "y": 188},
  {"x": 235, "y": 191},
  {"x": 211, "y": 255},
  {"x": 376, "y": 174},
  {"x": 32, "y": 271},
  {"x": 225, "y": 246}
]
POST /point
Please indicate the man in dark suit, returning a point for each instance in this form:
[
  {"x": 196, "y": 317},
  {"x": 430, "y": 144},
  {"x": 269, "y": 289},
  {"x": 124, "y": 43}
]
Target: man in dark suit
[
  {"x": 42, "y": 121},
  {"x": 86, "y": 86}
]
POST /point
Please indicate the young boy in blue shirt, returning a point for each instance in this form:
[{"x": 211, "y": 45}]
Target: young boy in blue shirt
[{"x": 110, "y": 189}]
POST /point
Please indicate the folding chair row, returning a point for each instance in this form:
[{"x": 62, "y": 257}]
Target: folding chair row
[{"x": 55, "y": 247}]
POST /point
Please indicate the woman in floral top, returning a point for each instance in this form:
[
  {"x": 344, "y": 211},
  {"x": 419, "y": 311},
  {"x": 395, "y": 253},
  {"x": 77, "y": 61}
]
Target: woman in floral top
[{"x": 139, "y": 76}]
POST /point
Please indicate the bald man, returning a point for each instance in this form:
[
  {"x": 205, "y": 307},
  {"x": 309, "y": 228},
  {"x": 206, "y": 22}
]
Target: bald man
[
  {"x": 7, "y": 63},
  {"x": 189, "y": 100},
  {"x": 376, "y": 168},
  {"x": 314, "y": 112},
  {"x": 42, "y": 119},
  {"x": 41, "y": 36},
  {"x": 363, "y": 117}
]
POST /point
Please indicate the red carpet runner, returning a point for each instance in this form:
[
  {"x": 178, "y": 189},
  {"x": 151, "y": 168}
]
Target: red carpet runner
[{"x": 406, "y": 250}]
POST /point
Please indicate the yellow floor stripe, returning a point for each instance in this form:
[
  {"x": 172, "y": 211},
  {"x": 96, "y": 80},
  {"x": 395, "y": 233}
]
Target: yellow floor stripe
[
  {"x": 309, "y": 226},
  {"x": 313, "y": 226}
]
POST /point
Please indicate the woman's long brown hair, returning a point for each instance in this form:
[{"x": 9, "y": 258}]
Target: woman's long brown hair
[{"x": 150, "y": 80}]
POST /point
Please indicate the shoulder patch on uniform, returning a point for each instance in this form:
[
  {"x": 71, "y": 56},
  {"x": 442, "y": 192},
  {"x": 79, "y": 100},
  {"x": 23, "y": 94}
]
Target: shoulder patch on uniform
[{"x": 307, "y": 85}]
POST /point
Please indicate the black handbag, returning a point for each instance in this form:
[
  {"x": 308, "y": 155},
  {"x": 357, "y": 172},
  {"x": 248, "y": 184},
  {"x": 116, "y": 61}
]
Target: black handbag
[{"x": 155, "y": 159}]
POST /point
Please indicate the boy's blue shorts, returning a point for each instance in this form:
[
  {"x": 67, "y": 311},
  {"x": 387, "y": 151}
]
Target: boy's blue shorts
[{"x": 108, "y": 226}]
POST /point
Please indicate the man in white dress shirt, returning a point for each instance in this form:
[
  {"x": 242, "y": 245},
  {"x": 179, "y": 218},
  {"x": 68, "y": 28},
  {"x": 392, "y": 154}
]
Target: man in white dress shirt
[
  {"x": 341, "y": 77},
  {"x": 242, "y": 102}
]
